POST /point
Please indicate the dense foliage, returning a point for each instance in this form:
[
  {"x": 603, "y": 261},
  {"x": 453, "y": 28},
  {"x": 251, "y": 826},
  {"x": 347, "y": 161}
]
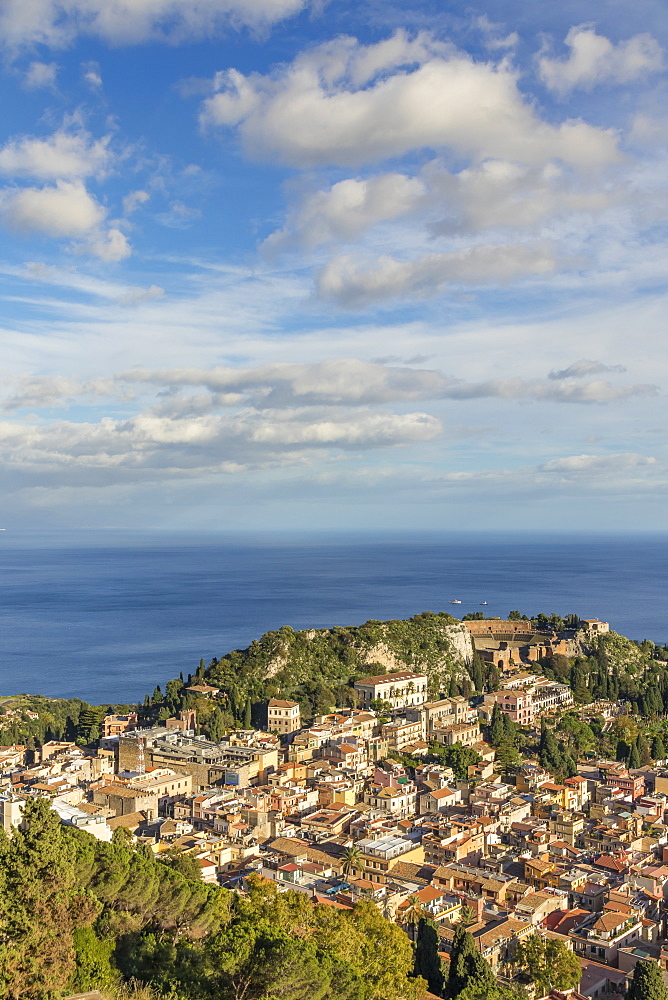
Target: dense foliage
[
  {"x": 77, "y": 914},
  {"x": 548, "y": 963},
  {"x": 317, "y": 668},
  {"x": 34, "y": 720}
]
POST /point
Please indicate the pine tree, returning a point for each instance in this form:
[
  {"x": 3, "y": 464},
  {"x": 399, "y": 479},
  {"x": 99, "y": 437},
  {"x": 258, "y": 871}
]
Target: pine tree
[
  {"x": 427, "y": 961},
  {"x": 647, "y": 982},
  {"x": 37, "y": 907}
]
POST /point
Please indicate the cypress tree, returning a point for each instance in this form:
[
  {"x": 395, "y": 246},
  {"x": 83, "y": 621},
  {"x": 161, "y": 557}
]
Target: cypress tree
[
  {"x": 467, "y": 966},
  {"x": 643, "y": 750},
  {"x": 427, "y": 961},
  {"x": 496, "y": 725},
  {"x": 658, "y": 749},
  {"x": 647, "y": 982}
]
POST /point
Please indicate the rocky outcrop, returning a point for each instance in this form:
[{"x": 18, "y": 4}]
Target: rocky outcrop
[{"x": 435, "y": 644}]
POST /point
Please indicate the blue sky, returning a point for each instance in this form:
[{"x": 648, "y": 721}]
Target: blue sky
[{"x": 282, "y": 264}]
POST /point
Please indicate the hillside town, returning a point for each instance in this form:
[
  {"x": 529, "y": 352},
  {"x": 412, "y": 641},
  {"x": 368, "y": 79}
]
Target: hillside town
[{"x": 401, "y": 801}]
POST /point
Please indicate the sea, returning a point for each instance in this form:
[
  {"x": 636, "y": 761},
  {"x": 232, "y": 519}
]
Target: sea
[{"x": 106, "y": 616}]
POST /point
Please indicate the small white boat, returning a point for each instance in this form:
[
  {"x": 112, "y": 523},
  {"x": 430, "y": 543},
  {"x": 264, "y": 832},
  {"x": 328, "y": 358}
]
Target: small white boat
[
  {"x": 455, "y": 602},
  {"x": 482, "y": 602}
]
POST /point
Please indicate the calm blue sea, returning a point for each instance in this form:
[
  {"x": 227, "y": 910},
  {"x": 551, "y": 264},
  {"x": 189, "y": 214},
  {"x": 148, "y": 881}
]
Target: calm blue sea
[{"x": 107, "y": 617}]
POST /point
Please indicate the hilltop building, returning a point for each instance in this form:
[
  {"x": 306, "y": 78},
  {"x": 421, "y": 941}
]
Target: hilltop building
[{"x": 400, "y": 690}]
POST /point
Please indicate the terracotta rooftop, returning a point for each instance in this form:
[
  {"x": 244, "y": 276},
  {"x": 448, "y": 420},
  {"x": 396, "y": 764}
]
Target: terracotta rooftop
[{"x": 389, "y": 678}]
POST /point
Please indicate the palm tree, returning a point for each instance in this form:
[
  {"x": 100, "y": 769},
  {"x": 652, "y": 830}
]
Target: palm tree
[
  {"x": 409, "y": 916},
  {"x": 352, "y": 859}
]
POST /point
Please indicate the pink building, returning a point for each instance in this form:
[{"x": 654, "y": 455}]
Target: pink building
[{"x": 517, "y": 704}]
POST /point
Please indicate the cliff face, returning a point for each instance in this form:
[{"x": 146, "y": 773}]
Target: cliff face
[
  {"x": 439, "y": 665},
  {"x": 434, "y": 644}
]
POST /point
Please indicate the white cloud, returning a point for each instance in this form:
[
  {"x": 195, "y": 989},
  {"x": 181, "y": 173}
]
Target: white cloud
[
  {"x": 40, "y": 74},
  {"x": 583, "y": 368},
  {"x": 57, "y": 23},
  {"x": 352, "y": 283},
  {"x": 348, "y": 104},
  {"x": 349, "y": 381},
  {"x": 347, "y": 210},
  {"x": 179, "y": 216},
  {"x": 63, "y": 155},
  {"x": 135, "y": 295},
  {"x": 111, "y": 245},
  {"x": 132, "y": 201},
  {"x": 344, "y": 381},
  {"x": 493, "y": 37},
  {"x": 92, "y": 76},
  {"x": 66, "y": 209},
  {"x": 594, "y": 59},
  {"x": 173, "y": 446},
  {"x": 501, "y": 194},
  {"x": 495, "y": 194},
  {"x": 43, "y": 391},
  {"x": 332, "y": 386},
  {"x": 597, "y": 464},
  {"x": 525, "y": 389}
]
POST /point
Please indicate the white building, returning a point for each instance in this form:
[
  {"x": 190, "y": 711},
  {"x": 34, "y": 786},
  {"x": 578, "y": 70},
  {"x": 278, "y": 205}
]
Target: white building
[{"x": 400, "y": 690}]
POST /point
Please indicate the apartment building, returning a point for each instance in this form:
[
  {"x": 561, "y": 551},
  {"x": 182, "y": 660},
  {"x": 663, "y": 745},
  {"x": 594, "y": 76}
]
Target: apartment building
[{"x": 283, "y": 716}]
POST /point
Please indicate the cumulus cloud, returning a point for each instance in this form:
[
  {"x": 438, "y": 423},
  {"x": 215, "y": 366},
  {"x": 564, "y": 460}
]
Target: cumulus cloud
[
  {"x": 57, "y": 23},
  {"x": 584, "y": 368},
  {"x": 353, "y": 283},
  {"x": 111, "y": 245},
  {"x": 495, "y": 194},
  {"x": 348, "y": 104},
  {"x": 40, "y": 74},
  {"x": 205, "y": 422},
  {"x": 594, "y": 59},
  {"x": 65, "y": 209},
  {"x": 499, "y": 194},
  {"x": 597, "y": 464},
  {"x": 347, "y": 209},
  {"x": 63, "y": 155},
  {"x": 173, "y": 446},
  {"x": 39, "y": 392}
]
